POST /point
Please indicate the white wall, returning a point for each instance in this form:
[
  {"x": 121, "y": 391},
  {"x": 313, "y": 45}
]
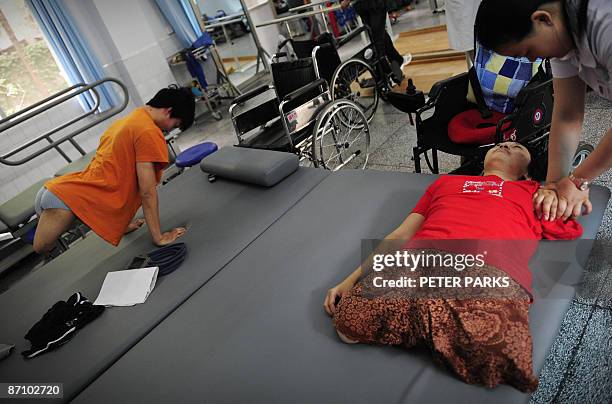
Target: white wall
[
  {"x": 132, "y": 41},
  {"x": 261, "y": 11},
  {"x": 138, "y": 31}
]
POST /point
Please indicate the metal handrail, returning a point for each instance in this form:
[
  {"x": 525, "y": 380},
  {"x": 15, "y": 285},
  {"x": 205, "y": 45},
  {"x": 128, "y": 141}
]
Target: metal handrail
[
  {"x": 64, "y": 95},
  {"x": 311, "y": 5},
  {"x": 222, "y": 23},
  {"x": 298, "y": 16}
]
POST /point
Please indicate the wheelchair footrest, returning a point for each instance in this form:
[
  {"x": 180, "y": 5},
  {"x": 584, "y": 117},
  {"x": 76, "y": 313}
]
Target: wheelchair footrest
[
  {"x": 272, "y": 138},
  {"x": 368, "y": 83}
]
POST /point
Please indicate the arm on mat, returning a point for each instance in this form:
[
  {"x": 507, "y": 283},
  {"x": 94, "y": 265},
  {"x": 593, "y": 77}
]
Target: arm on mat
[
  {"x": 147, "y": 186},
  {"x": 394, "y": 240}
]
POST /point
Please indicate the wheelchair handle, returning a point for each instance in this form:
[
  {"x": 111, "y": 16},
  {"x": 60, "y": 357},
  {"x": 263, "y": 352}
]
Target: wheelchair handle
[
  {"x": 283, "y": 43},
  {"x": 251, "y": 94},
  {"x": 303, "y": 90},
  {"x": 277, "y": 56},
  {"x": 321, "y": 46},
  {"x": 354, "y": 33}
]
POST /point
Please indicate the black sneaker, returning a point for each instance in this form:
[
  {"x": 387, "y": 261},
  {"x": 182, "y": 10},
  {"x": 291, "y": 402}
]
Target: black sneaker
[
  {"x": 60, "y": 323},
  {"x": 53, "y": 330}
]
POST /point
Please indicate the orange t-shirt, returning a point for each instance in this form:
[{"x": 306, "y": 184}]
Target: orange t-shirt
[{"x": 105, "y": 196}]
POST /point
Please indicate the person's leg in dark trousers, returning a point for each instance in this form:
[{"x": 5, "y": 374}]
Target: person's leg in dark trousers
[
  {"x": 376, "y": 19},
  {"x": 391, "y": 52}
]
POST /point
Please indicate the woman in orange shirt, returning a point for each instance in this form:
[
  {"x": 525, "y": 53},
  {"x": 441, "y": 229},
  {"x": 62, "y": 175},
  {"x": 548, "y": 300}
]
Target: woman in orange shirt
[{"x": 121, "y": 177}]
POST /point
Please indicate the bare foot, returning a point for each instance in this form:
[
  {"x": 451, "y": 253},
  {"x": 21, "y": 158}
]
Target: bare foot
[
  {"x": 135, "y": 225},
  {"x": 346, "y": 339}
]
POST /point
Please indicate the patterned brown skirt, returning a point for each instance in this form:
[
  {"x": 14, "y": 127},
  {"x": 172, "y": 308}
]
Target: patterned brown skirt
[{"x": 482, "y": 340}]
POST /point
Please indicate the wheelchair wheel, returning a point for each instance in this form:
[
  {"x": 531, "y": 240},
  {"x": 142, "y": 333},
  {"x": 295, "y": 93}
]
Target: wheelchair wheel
[
  {"x": 582, "y": 152},
  {"x": 354, "y": 80},
  {"x": 341, "y": 137},
  {"x": 306, "y": 160}
]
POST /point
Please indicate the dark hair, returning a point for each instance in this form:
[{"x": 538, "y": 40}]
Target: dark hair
[
  {"x": 499, "y": 22},
  {"x": 181, "y": 100},
  {"x": 538, "y": 165},
  {"x": 582, "y": 16}
]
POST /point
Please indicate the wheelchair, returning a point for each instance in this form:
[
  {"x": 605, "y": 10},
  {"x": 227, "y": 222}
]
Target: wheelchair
[
  {"x": 298, "y": 114},
  {"x": 362, "y": 78},
  {"x": 529, "y": 124}
]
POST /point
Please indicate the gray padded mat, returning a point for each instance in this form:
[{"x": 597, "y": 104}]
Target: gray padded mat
[
  {"x": 257, "y": 332},
  {"x": 222, "y": 219}
]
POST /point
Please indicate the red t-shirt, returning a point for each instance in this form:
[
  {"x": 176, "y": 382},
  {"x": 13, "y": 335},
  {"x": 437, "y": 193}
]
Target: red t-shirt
[{"x": 458, "y": 207}]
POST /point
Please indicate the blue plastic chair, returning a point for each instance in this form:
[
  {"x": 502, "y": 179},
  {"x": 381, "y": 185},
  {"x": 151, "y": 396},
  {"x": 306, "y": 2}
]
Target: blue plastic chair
[
  {"x": 190, "y": 157},
  {"x": 195, "y": 154}
]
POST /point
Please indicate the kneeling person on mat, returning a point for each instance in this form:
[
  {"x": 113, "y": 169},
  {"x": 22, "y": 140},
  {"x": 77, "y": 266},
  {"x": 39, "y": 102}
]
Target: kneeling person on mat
[{"x": 122, "y": 176}]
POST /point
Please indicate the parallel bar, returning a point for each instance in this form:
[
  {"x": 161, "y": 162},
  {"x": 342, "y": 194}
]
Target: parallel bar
[
  {"x": 223, "y": 23},
  {"x": 59, "y": 150},
  {"x": 297, "y": 16},
  {"x": 52, "y": 131},
  {"x": 51, "y": 102},
  {"x": 12, "y": 120},
  {"x": 310, "y": 5},
  {"x": 227, "y": 17}
]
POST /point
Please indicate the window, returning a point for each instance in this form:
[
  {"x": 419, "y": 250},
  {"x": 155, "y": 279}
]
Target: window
[{"x": 28, "y": 71}]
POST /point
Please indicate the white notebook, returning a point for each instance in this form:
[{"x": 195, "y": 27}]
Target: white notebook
[{"x": 127, "y": 288}]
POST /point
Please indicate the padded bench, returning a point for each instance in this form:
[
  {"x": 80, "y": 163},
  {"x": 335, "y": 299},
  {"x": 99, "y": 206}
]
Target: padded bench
[
  {"x": 222, "y": 219},
  {"x": 18, "y": 210},
  {"x": 257, "y": 331}
]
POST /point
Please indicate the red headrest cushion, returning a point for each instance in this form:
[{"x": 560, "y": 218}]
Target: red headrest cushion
[{"x": 470, "y": 127}]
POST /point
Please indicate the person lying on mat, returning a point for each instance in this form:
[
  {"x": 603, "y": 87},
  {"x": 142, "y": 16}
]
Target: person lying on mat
[
  {"x": 483, "y": 340},
  {"x": 577, "y": 36},
  {"x": 121, "y": 177}
]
